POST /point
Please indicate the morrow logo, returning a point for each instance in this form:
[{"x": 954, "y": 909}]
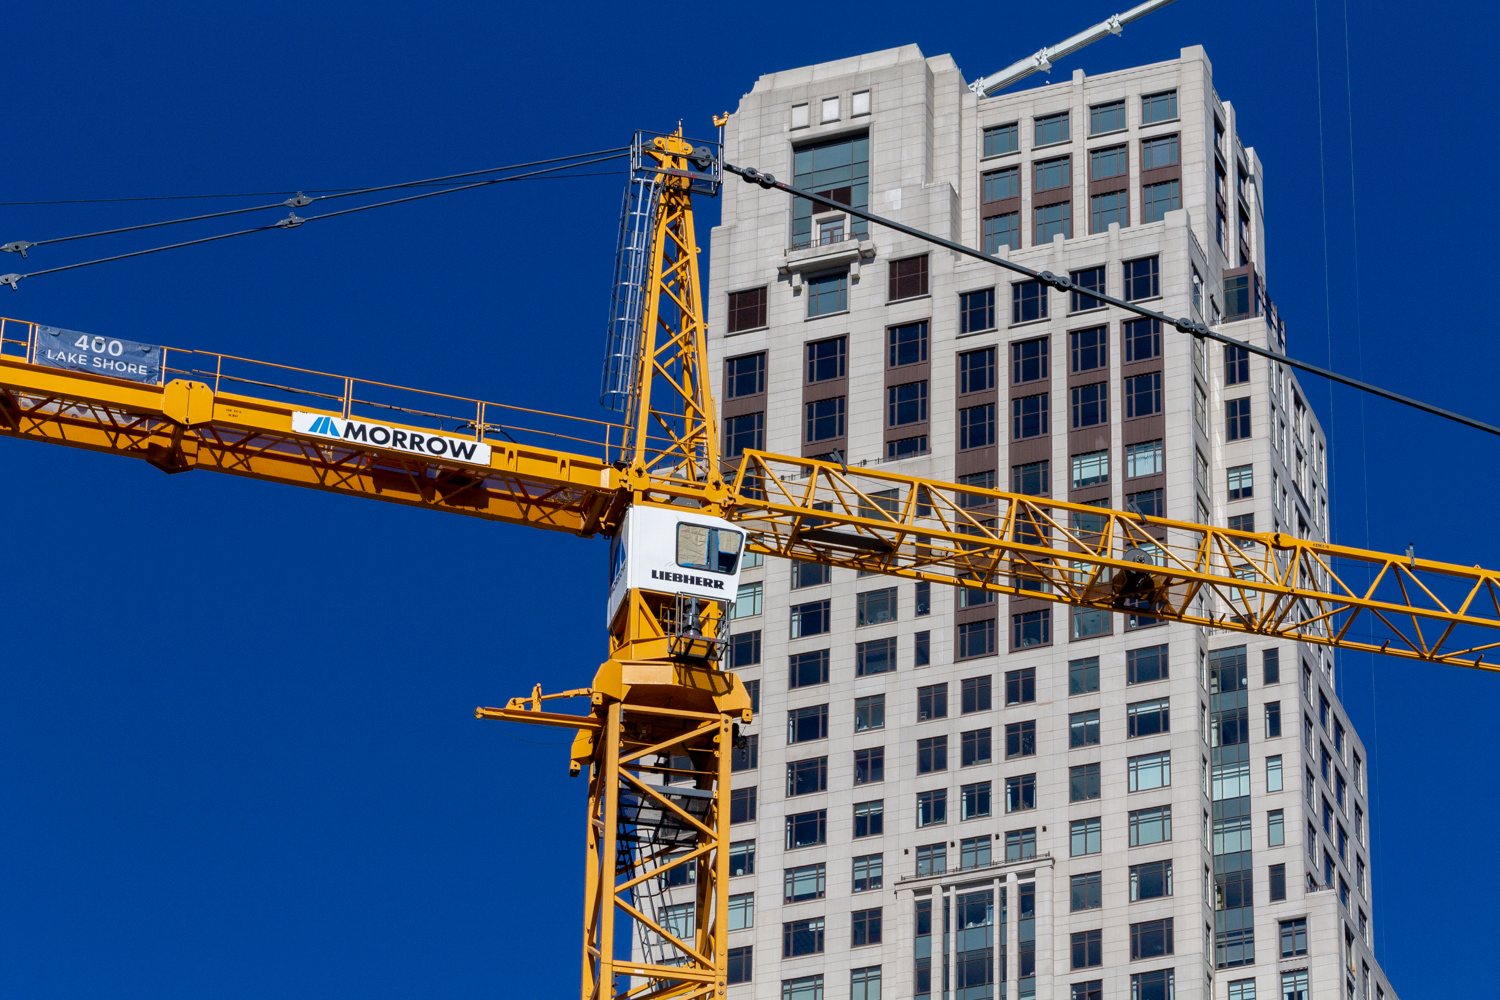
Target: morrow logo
[
  {"x": 324, "y": 426},
  {"x": 400, "y": 439}
]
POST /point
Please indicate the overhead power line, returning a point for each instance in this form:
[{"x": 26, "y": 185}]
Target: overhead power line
[
  {"x": 1197, "y": 329},
  {"x": 301, "y": 200},
  {"x": 292, "y": 221}
]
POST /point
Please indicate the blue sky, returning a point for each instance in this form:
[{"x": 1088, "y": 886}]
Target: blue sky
[{"x": 236, "y": 719}]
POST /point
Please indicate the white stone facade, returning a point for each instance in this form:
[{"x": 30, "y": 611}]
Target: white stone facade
[{"x": 925, "y": 168}]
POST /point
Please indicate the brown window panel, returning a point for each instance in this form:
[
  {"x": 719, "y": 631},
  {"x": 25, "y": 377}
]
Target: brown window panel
[
  {"x": 747, "y": 310},
  {"x": 908, "y": 278}
]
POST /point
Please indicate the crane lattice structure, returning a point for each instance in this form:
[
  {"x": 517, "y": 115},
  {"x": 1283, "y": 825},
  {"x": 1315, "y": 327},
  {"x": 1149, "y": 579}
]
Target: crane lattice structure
[{"x": 661, "y": 713}]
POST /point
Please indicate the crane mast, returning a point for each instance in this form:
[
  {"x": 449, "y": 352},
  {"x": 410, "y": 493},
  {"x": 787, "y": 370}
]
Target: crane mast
[{"x": 655, "y": 729}]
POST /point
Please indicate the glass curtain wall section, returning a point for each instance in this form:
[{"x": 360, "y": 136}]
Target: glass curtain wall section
[
  {"x": 839, "y": 171},
  {"x": 925, "y": 952},
  {"x": 974, "y": 949},
  {"x": 1026, "y": 939},
  {"x": 1234, "y": 918}
]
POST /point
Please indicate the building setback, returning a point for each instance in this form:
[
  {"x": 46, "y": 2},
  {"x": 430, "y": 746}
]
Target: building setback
[{"x": 950, "y": 798}]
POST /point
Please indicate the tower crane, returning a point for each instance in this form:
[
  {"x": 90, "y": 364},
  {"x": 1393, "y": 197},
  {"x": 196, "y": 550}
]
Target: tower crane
[{"x": 654, "y": 728}]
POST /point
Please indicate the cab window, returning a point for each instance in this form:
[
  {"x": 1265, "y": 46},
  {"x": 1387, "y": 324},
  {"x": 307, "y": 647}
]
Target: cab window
[{"x": 702, "y": 547}]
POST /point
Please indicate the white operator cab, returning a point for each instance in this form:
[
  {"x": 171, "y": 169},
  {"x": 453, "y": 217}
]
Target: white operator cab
[{"x": 672, "y": 550}]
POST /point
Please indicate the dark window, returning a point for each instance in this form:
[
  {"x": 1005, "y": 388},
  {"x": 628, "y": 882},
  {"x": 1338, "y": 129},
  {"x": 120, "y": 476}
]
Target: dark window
[
  {"x": 932, "y": 807},
  {"x": 1054, "y": 220},
  {"x": 1142, "y": 340},
  {"x": 1157, "y": 153},
  {"x": 1001, "y": 139},
  {"x": 802, "y": 937},
  {"x": 976, "y": 371},
  {"x": 1091, "y": 990},
  {"x": 1028, "y": 301},
  {"x": 1083, "y": 729},
  {"x": 1032, "y": 628},
  {"x": 1001, "y": 184},
  {"x": 932, "y": 859},
  {"x": 1088, "y": 949},
  {"x": 752, "y": 688},
  {"x": 1142, "y": 279},
  {"x": 1051, "y": 128},
  {"x": 838, "y": 170},
  {"x": 1237, "y": 298},
  {"x": 1236, "y": 365},
  {"x": 1150, "y": 881},
  {"x": 1151, "y": 939},
  {"x": 866, "y": 927},
  {"x": 1055, "y": 173},
  {"x": 869, "y": 872},
  {"x": 908, "y": 278},
  {"x": 1143, "y": 665},
  {"x": 1159, "y": 199},
  {"x": 1237, "y": 419},
  {"x": 742, "y": 432},
  {"x": 1029, "y": 416},
  {"x": 1083, "y": 675},
  {"x": 807, "y": 829},
  {"x": 825, "y": 420},
  {"x": 875, "y": 657},
  {"x": 875, "y": 606},
  {"x": 1020, "y": 738},
  {"x": 745, "y": 376},
  {"x": 974, "y": 694},
  {"x": 924, "y": 598},
  {"x": 746, "y": 757},
  {"x": 1020, "y": 793},
  {"x": 1142, "y": 395},
  {"x": 1107, "y": 209},
  {"x": 1160, "y": 107},
  {"x": 869, "y": 713},
  {"x": 1087, "y": 892},
  {"x": 1278, "y": 883},
  {"x": 921, "y": 647},
  {"x": 1270, "y": 660},
  {"x": 1241, "y": 481},
  {"x": 869, "y": 818},
  {"x": 1028, "y": 360},
  {"x": 1293, "y": 938},
  {"x": 1090, "y": 405},
  {"x": 1083, "y": 783},
  {"x": 741, "y": 963},
  {"x": 1113, "y": 161},
  {"x": 804, "y": 724},
  {"x": 742, "y": 805},
  {"x": 869, "y": 766},
  {"x": 1242, "y": 522},
  {"x": 744, "y": 650},
  {"x": 1031, "y": 479},
  {"x": 1091, "y": 280},
  {"x": 932, "y": 702},
  {"x": 906, "y": 404},
  {"x": 827, "y": 294},
  {"x": 1147, "y": 718},
  {"x": 809, "y": 574},
  {"x": 747, "y": 310},
  {"x": 826, "y": 359},
  {"x": 1002, "y": 231},
  {"x": 1106, "y": 117},
  {"x": 908, "y": 344},
  {"x": 808, "y": 669},
  {"x": 906, "y": 447},
  {"x": 976, "y": 311},
  {"x": 976, "y": 639},
  {"x": 1149, "y": 503},
  {"x": 1159, "y": 985},
  {"x": 1020, "y": 844},
  {"x": 1020, "y": 686},
  {"x": 974, "y": 748},
  {"x": 803, "y": 777},
  {"x": 808, "y": 619},
  {"x": 932, "y": 754}
]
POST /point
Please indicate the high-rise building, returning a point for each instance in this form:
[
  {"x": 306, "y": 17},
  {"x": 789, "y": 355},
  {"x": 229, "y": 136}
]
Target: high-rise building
[{"x": 946, "y": 795}]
